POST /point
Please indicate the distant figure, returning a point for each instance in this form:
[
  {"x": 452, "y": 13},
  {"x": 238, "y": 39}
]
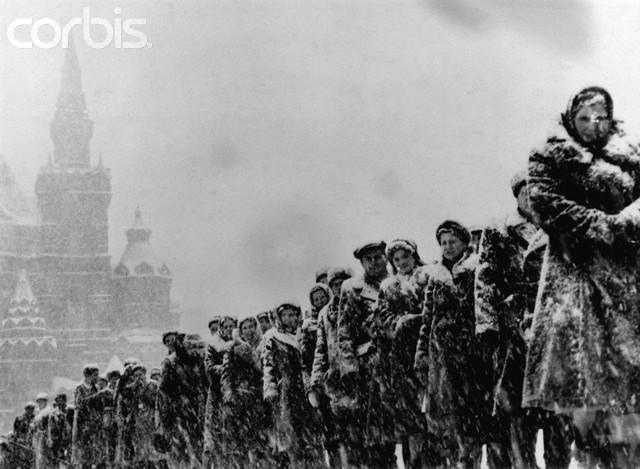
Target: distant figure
[
  {"x": 22, "y": 451},
  {"x": 87, "y": 449},
  {"x": 213, "y": 325},
  {"x": 265, "y": 321}
]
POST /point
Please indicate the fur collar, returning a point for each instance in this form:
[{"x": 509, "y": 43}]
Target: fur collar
[
  {"x": 620, "y": 150},
  {"x": 284, "y": 337}
]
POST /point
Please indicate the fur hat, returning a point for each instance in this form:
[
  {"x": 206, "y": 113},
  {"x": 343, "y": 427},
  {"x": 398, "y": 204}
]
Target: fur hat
[
  {"x": 89, "y": 369},
  {"x": 248, "y": 319},
  {"x": 320, "y": 273},
  {"x": 518, "y": 180},
  {"x": 362, "y": 250},
  {"x": 338, "y": 273},
  {"x": 214, "y": 320},
  {"x": 43, "y": 396},
  {"x": 264, "y": 315}
]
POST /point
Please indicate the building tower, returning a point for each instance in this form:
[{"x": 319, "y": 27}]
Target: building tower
[
  {"x": 142, "y": 284},
  {"x": 73, "y": 198},
  {"x": 28, "y": 350}
]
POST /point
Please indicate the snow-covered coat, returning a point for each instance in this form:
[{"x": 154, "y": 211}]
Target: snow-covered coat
[
  {"x": 501, "y": 291},
  {"x": 58, "y": 436},
  {"x": 365, "y": 362},
  {"x": 213, "y": 359},
  {"x": 292, "y": 416},
  {"x": 181, "y": 404},
  {"x": 586, "y": 339},
  {"x": 243, "y": 415},
  {"x": 401, "y": 316},
  {"x": 87, "y": 424},
  {"x": 448, "y": 353}
]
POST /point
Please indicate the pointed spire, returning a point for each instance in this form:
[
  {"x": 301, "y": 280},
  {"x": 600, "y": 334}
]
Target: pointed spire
[
  {"x": 23, "y": 290},
  {"x": 138, "y": 231},
  {"x": 71, "y": 129}
]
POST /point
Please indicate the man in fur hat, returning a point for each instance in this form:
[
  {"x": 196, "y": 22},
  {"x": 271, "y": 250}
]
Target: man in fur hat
[{"x": 358, "y": 332}]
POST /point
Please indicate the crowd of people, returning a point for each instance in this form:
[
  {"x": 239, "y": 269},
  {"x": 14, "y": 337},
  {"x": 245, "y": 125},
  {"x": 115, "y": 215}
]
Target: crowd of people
[{"x": 536, "y": 328}]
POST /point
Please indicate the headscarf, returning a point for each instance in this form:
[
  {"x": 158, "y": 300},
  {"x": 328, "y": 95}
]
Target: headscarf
[
  {"x": 585, "y": 97},
  {"x": 319, "y": 287},
  {"x": 283, "y": 306}
]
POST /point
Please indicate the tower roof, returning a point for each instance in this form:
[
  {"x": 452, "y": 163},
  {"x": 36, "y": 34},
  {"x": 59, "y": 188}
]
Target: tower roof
[
  {"x": 71, "y": 129},
  {"x": 139, "y": 258},
  {"x": 23, "y": 302}
]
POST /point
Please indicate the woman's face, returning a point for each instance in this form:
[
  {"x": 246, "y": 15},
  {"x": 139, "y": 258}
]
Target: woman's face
[
  {"x": 226, "y": 329},
  {"x": 248, "y": 330},
  {"x": 403, "y": 261},
  {"x": 592, "y": 123},
  {"x": 451, "y": 246},
  {"x": 319, "y": 299},
  {"x": 289, "y": 318}
]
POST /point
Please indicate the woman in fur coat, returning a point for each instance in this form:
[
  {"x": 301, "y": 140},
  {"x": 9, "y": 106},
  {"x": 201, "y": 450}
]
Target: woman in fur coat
[
  {"x": 295, "y": 431},
  {"x": 400, "y": 311},
  {"x": 584, "y": 357},
  {"x": 242, "y": 414},
  {"x": 220, "y": 343},
  {"x": 448, "y": 358}
]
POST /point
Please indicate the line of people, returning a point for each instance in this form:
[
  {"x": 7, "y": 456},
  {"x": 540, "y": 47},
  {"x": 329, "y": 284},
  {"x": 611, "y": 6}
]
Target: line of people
[{"x": 537, "y": 328}]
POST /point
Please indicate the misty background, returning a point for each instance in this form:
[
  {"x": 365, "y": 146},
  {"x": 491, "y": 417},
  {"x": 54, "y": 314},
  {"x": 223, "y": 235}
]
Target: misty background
[{"x": 265, "y": 139}]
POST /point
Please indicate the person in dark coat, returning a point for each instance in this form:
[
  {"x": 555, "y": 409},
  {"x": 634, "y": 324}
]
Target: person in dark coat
[
  {"x": 364, "y": 363},
  {"x": 87, "y": 450},
  {"x": 501, "y": 292},
  {"x": 449, "y": 360},
  {"x": 401, "y": 316},
  {"x": 217, "y": 347},
  {"x": 325, "y": 385},
  {"x": 584, "y": 357},
  {"x": 319, "y": 297},
  {"x": 296, "y": 435},
  {"x": 243, "y": 416},
  {"x": 181, "y": 402},
  {"x": 58, "y": 435},
  {"x": 22, "y": 455}
]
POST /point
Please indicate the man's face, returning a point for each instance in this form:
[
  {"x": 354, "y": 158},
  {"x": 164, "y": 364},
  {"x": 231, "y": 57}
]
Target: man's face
[
  {"x": 374, "y": 263},
  {"x": 29, "y": 412},
  {"x": 61, "y": 403},
  {"x": 101, "y": 384},
  {"x": 93, "y": 377},
  {"x": 170, "y": 342},
  {"x": 42, "y": 403},
  {"x": 139, "y": 375},
  {"x": 319, "y": 299},
  {"x": 213, "y": 328}
]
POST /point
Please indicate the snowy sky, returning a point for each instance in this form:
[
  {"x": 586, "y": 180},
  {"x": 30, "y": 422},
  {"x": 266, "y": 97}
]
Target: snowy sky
[{"x": 263, "y": 139}]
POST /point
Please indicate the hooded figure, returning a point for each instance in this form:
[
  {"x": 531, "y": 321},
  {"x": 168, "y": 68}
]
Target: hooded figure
[
  {"x": 319, "y": 297},
  {"x": 296, "y": 434},
  {"x": 583, "y": 186},
  {"x": 448, "y": 357}
]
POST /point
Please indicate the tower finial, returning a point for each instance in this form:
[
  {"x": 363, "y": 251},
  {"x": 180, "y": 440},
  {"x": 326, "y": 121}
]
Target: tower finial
[{"x": 71, "y": 129}]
